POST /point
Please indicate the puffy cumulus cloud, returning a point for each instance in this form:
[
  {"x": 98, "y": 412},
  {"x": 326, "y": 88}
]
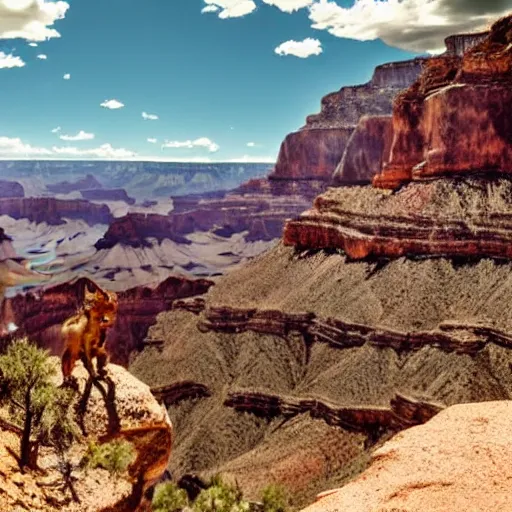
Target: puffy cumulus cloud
[
  {"x": 289, "y": 5},
  {"x": 42, "y": 56},
  {"x": 33, "y": 44},
  {"x": 81, "y": 135},
  {"x": 209, "y": 8},
  {"x": 230, "y": 8},
  {"x": 302, "y": 49},
  {"x": 202, "y": 142},
  {"x": 57, "y": 130},
  {"x": 32, "y": 20},
  {"x": 104, "y": 151},
  {"x": 8, "y": 61},
  {"x": 67, "y": 76},
  {"x": 152, "y": 140},
  {"x": 16, "y": 147},
  {"x": 413, "y": 25},
  {"x": 149, "y": 117},
  {"x": 112, "y": 104}
]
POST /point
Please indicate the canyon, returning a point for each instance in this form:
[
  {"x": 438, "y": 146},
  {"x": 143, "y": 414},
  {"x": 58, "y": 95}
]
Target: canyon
[{"x": 384, "y": 304}]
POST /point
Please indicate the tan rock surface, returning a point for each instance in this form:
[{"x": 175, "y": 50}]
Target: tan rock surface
[{"x": 460, "y": 460}]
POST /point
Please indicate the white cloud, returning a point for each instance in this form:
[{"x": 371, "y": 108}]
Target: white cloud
[
  {"x": 231, "y": 8},
  {"x": 149, "y": 117},
  {"x": 67, "y": 76},
  {"x": 32, "y": 44},
  {"x": 413, "y": 25},
  {"x": 30, "y": 19},
  {"x": 112, "y": 104},
  {"x": 81, "y": 135},
  {"x": 209, "y": 8},
  {"x": 16, "y": 147},
  {"x": 42, "y": 56},
  {"x": 57, "y": 130},
  {"x": 10, "y": 61},
  {"x": 152, "y": 141},
  {"x": 251, "y": 144},
  {"x": 302, "y": 49},
  {"x": 202, "y": 142},
  {"x": 289, "y": 5},
  {"x": 104, "y": 151}
]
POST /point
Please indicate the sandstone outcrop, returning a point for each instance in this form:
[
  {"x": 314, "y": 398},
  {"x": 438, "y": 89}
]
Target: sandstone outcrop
[
  {"x": 54, "y": 211},
  {"x": 455, "y": 119},
  {"x": 119, "y": 407},
  {"x": 11, "y": 189},
  {"x": 39, "y": 315},
  {"x": 459, "y": 460}
]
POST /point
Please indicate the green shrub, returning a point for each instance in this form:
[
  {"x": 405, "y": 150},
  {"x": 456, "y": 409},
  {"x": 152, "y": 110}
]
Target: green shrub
[
  {"x": 114, "y": 456},
  {"x": 220, "y": 497},
  {"x": 275, "y": 499},
  {"x": 168, "y": 497}
]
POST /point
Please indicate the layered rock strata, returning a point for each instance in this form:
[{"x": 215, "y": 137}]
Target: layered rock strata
[
  {"x": 54, "y": 211},
  {"x": 11, "y": 189}
]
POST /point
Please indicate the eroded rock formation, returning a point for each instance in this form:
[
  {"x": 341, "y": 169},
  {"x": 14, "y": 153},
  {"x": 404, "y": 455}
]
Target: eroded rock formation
[
  {"x": 101, "y": 194},
  {"x": 456, "y": 118},
  {"x": 89, "y": 182},
  {"x": 54, "y": 211}
]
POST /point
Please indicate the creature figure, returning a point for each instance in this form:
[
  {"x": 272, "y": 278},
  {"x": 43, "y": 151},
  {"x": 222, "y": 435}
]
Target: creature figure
[{"x": 85, "y": 333}]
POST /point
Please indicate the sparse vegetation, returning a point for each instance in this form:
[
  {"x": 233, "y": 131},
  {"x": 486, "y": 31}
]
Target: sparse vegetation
[
  {"x": 219, "y": 496},
  {"x": 114, "y": 456},
  {"x": 39, "y": 409},
  {"x": 169, "y": 497},
  {"x": 275, "y": 499}
]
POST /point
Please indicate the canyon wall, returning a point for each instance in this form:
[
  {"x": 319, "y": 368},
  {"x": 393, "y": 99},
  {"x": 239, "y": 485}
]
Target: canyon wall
[
  {"x": 54, "y": 211},
  {"x": 11, "y": 189}
]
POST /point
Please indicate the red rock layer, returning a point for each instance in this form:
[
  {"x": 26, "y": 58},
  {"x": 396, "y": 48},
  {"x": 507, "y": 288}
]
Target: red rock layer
[
  {"x": 117, "y": 194},
  {"x": 463, "y": 217},
  {"x": 456, "y": 118},
  {"x": 367, "y": 150},
  {"x": 449, "y": 336},
  {"x": 311, "y": 154},
  {"x": 403, "y": 412},
  {"x": 54, "y": 211},
  {"x": 40, "y": 316}
]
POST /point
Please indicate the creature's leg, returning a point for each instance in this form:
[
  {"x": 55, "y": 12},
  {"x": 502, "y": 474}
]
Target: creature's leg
[
  {"x": 87, "y": 358},
  {"x": 102, "y": 361},
  {"x": 69, "y": 358}
]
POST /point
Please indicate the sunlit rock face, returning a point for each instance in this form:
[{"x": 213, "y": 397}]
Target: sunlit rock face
[{"x": 456, "y": 118}]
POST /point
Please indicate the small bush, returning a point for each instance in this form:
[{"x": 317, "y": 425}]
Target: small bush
[
  {"x": 115, "y": 456},
  {"x": 274, "y": 499},
  {"x": 220, "y": 497},
  {"x": 169, "y": 497}
]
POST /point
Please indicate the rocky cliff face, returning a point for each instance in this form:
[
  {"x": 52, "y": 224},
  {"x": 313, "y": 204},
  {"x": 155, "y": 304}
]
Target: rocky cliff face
[
  {"x": 54, "y": 211},
  {"x": 131, "y": 414},
  {"x": 11, "y": 189},
  {"x": 455, "y": 118},
  {"x": 40, "y": 315},
  {"x": 373, "y": 295}
]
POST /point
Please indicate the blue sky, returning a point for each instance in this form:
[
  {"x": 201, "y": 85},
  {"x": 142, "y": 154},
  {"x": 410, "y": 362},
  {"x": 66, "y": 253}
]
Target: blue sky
[{"x": 215, "y": 82}]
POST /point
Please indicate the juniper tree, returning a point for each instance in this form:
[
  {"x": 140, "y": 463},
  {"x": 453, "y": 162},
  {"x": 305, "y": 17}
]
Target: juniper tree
[{"x": 37, "y": 407}]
